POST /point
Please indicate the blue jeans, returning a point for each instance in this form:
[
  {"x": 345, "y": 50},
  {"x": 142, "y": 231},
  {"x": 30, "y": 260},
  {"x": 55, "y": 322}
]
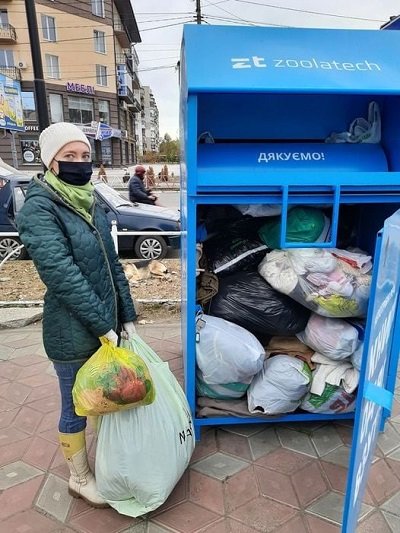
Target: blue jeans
[{"x": 69, "y": 422}]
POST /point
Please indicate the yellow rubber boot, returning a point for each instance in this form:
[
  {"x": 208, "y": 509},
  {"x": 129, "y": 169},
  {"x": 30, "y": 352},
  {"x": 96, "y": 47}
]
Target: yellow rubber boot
[{"x": 82, "y": 483}]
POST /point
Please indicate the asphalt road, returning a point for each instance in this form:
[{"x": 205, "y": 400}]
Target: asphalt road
[{"x": 165, "y": 198}]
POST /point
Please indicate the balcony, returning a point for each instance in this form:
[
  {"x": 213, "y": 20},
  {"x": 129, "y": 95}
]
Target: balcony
[
  {"x": 125, "y": 84},
  {"x": 135, "y": 106},
  {"x": 7, "y": 34},
  {"x": 125, "y": 59},
  {"x": 135, "y": 81},
  {"x": 11, "y": 72},
  {"x": 121, "y": 34}
]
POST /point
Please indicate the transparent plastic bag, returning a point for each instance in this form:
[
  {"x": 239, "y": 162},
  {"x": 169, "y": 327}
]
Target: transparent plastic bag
[
  {"x": 113, "y": 379},
  {"x": 319, "y": 280},
  {"x": 332, "y": 337},
  {"x": 142, "y": 453},
  {"x": 333, "y": 400},
  {"x": 226, "y": 352}
]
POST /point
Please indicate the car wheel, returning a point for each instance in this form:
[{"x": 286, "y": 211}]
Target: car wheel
[
  {"x": 150, "y": 247},
  {"x": 8, "y": 244}
]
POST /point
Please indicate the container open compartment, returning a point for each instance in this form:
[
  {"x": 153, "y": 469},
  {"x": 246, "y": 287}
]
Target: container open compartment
[{"x": 257, "y": 107}]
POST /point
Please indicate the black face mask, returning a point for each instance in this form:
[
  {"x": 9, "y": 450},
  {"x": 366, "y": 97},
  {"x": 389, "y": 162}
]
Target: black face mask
[{"x": 75, "y": 173}]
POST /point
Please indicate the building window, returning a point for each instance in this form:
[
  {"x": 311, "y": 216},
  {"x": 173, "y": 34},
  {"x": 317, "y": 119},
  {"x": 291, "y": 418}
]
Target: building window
[
  {"x": 53, "y": 67},
  {"x": 6, "y": 58},
  {"x": 3, "y": 18},
  {"x": 104, "y": 111},
  {"x": 101, "y": 75},
  {"x": 49, "y": 28},
  {"x": 80, "y": 110},
  {"x": 28, "y": 106},
  {"x": 99, "y": 41},
  {"x": 56, "y": 108},
  {"x": 98, "y": 8}
]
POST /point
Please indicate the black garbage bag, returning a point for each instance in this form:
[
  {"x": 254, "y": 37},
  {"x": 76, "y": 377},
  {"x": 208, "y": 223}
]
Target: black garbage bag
[
  {"x": 227, "y": 255},
  {"x": 216, "y": 217},
  {"x": 246, "y": 299}
]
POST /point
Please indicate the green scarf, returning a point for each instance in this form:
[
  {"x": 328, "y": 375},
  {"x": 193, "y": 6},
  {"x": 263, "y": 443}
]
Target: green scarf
[{"x": 80, "y": 197}]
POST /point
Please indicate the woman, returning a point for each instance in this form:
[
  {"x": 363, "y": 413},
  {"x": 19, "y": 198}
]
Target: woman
[{"x": 68, "y": 238}]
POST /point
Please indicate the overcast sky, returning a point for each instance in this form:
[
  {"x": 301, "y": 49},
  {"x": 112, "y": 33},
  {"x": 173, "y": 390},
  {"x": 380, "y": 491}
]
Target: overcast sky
[{"x": 160, "y": 47}]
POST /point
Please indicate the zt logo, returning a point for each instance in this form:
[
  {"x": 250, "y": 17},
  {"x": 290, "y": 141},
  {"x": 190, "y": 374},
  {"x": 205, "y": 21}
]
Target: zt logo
[{"x": 248, "y": 62}]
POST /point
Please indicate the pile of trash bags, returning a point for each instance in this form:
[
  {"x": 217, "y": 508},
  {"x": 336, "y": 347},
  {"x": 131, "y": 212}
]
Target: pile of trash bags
[{"x": 281, "y": 329}]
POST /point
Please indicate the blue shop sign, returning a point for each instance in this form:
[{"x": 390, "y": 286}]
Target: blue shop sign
[{"x": 259, "y": 59}]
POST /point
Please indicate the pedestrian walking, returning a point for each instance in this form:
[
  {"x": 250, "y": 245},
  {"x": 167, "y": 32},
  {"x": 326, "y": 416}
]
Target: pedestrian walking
[
  {"x": 102, "y": 174},
  {"x": 67, "y": 235}
]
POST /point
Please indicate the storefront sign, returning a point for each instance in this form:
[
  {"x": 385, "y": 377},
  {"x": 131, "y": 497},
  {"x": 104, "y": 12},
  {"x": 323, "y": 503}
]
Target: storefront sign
[
  {"x": 31, "y": 128},
  {"x": 30, "y": 152},
  {"x": 11, "y": 115},
  {"x": 80, "y": 88}
]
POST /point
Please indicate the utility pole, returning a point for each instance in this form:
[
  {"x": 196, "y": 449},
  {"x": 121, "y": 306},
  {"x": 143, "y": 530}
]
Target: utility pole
[
  {"x": 198, "y": 11},
  {"x": 39, "y": 83}
]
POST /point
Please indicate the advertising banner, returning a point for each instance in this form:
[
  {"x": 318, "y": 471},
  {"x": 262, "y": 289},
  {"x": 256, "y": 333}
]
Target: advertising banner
[{"x": 11, "y": 115}]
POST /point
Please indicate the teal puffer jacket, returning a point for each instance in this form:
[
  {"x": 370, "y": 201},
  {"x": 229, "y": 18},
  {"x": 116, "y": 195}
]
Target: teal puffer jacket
[{"x": 87, "y": 292}]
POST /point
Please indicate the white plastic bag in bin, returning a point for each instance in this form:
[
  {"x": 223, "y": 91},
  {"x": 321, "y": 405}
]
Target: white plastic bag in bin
[
  {"x": 319, "y": 279},
  {"x": 143, "y": 452},
  {"x": 226, "y": 352},
  {"x": 333, "y": 337},
  {"x": 280, "y": 386}
]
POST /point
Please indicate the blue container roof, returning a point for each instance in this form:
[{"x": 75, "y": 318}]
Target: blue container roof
[{"x": 290, "y": 60}]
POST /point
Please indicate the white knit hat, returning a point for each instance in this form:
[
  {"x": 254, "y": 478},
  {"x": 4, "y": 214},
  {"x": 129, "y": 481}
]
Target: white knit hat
[{"x": 53, "y": 138}]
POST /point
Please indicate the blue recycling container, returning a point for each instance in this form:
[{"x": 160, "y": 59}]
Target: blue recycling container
[{"x": 257, "y": 105}]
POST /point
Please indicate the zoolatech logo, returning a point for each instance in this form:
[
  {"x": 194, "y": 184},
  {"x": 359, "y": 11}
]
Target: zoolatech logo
[{"x": 306, "y": 64}]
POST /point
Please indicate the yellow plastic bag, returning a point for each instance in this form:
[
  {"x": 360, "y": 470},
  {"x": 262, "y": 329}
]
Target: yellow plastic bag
[{"x": 113, "y": 379}]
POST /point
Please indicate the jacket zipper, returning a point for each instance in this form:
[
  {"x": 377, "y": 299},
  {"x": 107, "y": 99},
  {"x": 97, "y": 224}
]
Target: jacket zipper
[{"x": 42, "y": 184}]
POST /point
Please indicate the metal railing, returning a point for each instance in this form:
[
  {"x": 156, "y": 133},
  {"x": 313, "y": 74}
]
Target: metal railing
[
  {"x": 11, "y": 72},
  {"x": 114, "y": 234},
  {"x": 7, "y": 32}
]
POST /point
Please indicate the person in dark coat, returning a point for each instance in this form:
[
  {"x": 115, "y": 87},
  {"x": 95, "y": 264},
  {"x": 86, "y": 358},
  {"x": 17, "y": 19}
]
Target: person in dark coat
[
  {"x": 137, "y": 190},
  {"x": 67, "y": 235}
]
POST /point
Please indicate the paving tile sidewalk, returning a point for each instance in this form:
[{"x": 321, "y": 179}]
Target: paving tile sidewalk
[{"x": 242, "y": 479}]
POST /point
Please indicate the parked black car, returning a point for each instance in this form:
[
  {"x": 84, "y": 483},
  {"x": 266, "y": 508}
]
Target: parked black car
[
  {"x": 129, "y": 217},
  {"x": 12, "y": 195},
  {"x": 139, "y": 217}
]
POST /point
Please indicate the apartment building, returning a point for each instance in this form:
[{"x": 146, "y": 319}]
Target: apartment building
[
  {"x": 90, "y": 71},
  {"x": 148, "y": 131}
]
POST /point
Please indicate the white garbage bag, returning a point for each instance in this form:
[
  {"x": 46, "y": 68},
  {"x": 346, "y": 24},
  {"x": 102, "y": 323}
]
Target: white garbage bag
[
  {"x": 280, "y": 386},
  {"x": 224, "y": 391},
  {"x": 356, "y": 358},
  {"x": 333, "y": 337},
  {"x": 259, "y": 210},
  {"x": 143, "y": 452},
  {"x": 226, "y": 352}
]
